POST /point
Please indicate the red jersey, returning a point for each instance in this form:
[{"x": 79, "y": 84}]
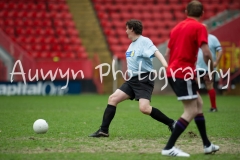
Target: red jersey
[{"x": 185, "y": 40}]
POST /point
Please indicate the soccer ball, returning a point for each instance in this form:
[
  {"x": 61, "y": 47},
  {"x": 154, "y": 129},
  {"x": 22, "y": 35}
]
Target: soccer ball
[{"x": 40, "y": 126}]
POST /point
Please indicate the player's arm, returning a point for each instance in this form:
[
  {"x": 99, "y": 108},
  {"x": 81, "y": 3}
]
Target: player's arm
[
  {"x": 219, "y": 51},
  {"x": 207, "y": 56},
  {"x": 219, "y": 56},
  {"x": 161, "y": 58},
  {"x": 167, "y": 54}
]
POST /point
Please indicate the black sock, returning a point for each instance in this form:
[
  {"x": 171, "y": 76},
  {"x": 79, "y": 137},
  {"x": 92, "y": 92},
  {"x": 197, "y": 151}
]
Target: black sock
[
  {"x": 159, "y": 116},
  {"x": 107, "y": 117},
  {"x": 180, "y": 126},
  {"x": 200, "y": 122}
]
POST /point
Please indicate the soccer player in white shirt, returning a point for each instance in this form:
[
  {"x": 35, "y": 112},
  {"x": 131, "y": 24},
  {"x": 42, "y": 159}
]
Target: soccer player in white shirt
[
  {"x": 216, "y": 51},
  {"x": 141, "y": 84}
]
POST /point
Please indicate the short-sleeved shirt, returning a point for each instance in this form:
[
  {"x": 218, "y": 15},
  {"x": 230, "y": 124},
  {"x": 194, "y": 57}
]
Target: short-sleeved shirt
[
  {"x": 185, "y": 40},
  {"x": 214, "y": 46},
  {"x": 140, "y": 52}
]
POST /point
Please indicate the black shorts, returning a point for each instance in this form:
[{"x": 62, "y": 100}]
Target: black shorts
[
  {"x": 202, "y": 75},
  {"x": 185, "y": 90},
  {"x": 137, "y": 89}
]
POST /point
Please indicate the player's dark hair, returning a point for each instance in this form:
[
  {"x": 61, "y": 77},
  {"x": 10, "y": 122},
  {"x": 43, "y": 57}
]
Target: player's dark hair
[
  {"x": 195, "y": 9},
  {"x": 136, "y": 25}
]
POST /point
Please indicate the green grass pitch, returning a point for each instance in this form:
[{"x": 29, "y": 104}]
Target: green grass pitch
[{"x": 132, "y": 135}]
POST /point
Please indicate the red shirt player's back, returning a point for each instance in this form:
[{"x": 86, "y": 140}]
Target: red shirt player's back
[{"x": 185, "y": 40}]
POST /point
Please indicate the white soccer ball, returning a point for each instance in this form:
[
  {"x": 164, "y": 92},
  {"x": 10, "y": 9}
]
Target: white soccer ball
[{"x": 40, "y": 126}]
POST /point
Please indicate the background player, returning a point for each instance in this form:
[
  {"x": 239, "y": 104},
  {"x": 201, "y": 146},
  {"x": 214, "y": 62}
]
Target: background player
[
  {"x": 216, "y": 51},
  {"x": 185, "y": 40}
]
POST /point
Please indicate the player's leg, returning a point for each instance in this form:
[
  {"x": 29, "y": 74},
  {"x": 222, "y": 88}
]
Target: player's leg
[
  {"x": 143, "y": 91},
  {"x": 190, "y": 111},
  {"x": 146, "y": 108},
  {"x": 212, "y": 95},
  {"x": 200, "y": 122},
  {"x": 186, "y": 91},
  {"x": 118, "y": 96},
  {"x": 109, "y": 113}
]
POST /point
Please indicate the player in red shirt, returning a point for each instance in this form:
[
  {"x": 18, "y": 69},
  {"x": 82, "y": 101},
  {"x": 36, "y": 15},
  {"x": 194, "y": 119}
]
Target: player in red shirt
[{"x": 185, "y": 40}]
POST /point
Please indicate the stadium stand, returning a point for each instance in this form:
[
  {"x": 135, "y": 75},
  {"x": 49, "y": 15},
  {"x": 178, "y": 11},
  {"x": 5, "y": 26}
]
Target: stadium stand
[
  {"x": 158, "y": 17},
  {"x": 3, "y": 71},
  {"x": 45, "y": 29}
]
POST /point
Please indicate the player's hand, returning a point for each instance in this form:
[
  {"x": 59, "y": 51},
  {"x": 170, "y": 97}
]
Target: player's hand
[{"x": 214, "y": 64}]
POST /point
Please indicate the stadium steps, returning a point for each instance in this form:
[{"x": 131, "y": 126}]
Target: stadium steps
[{"x": 91, "y": 35}]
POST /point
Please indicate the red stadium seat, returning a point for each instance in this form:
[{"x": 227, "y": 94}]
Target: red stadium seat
[
  {"x": 69, "y": 23},
  {"x": 52, "y": 7},
  {"x": 30, "y": 31},
  {"x": 37, "y": 22},
  {"x": 45, "y": 47},
  {"x": 27, "y": 23},
  {"x": 43, "y": 15},
  {"x": 47, "y": 23},
  {"x": 147, "y": 16},
  {"x": 20, "y": 31},
  {"x": 31, "y": 6},
  {"x": 18, "y": 22},
  {"x": 124, "y": 15},
  {"x": 8, "y": 22},
  {"x": 82, "y": 55},
  {"x": 115, "y": 16},
  {"x": 58, "y": 23},
  {"x": 36, "y": 47},
  {"x": 167, "y": 16},
  {"x": 78, "y": 49},
  {"x": 63, "y": 39},
  {"x": 72, "y": 32},
  {"x": 67, "y": 47},
  {"x": 61, "y": 31},
  {"x": 21, "y": 6},
  {"x": 56, "y": 15},
  {"x": 40, "y": 31},
  {"x": 22, "y": 13},
  {"x": 13, "y": 14},
  {"x": 179, "y": 16},
  {"x": 4, "y": 13},
  {"x": 2, "y": 5},
  {"x": 106, "y": 24},
  {"x": 63, "y": 7},
  {"x": 113, "y": 41},
  {"x": 41, "y": 27},
  {"x": 124, "y": 41},
  {"x": 9, "y": 30},
  {"x": 75, "y": 40},
  {"x": 102, "y": 15},
  {"x": 10, "y": 6},
  {"x": 41, "y": 6},
  {"x": 49, "y": 31},
  {"x": 56, "y": 47},
  {"x": 117, "y": 49},
  {"x": 51, "y": 40},
  {"x": 33, "y": 15},
  {"x": 178, "y": 7}
]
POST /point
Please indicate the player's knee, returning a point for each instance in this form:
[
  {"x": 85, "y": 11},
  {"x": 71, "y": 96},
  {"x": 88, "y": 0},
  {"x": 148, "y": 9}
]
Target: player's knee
[
  {"x": 209, "y": 86},
  {"x": 194, "y": 112},
  {"x": 112, "y": 99},
  {"x": 144, "y": 108},
  {"x": 200, "y": 104}
]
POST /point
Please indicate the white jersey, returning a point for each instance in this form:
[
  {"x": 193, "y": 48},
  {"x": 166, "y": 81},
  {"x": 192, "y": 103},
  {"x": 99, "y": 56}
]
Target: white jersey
[
  {"x": 139, "y": 56},
  {"x": 214, "y": 46}
]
